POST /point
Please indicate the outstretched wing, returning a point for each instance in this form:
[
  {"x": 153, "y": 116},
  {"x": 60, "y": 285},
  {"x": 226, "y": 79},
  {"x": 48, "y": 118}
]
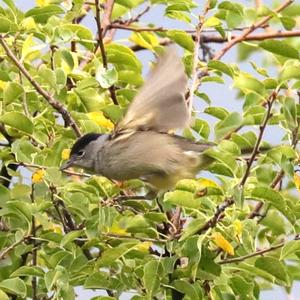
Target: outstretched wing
[{"x": 160, "y": 104}]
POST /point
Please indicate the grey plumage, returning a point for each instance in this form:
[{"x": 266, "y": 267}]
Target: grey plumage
[{"x": 140, "y": 146}]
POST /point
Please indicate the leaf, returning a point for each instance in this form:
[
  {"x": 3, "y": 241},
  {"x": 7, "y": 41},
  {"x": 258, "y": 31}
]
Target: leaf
[
  {"x": 274, "y": 267},
  {"x": 18, "y": 121},
  {"x": 146, "y": 40},
  {"x": 14, "y": 286},
  {"x": 70, "y": 237},
  {"x": 229, "y": 124},
  {"x": 182, "y": 38},
  {"x": 288, "y": 23},
  {"x": 5, "y": 25},
  {"x": 42, "y": 14},
  {"x": 152, "y": 272},
  {"x": 98, "y": 280},
  {"x": 220, "y": 66},
  {"x": 212, "y": 22},
  {"x": 28, "y": 271},
  {"x": 202, "y": 128},
  {"x": 106, "y": 77},
  {"x": 222, "y": 243},
  {"x": 12, "y": 92},
  {"x": 188, "y": 289},
  {"x": 218, "y": 112},
  {"x": 3, "y": 295},
  {"x": 270, "y": 196},
  {"x": 248, "y": 84},
  {"x": 290, "y": 72},
  {"x": 182, "y": 199},
  {"x": 280, "y": 47},
  {"x": 289, "y": 249},
  {"x": 111, "y": 255}
]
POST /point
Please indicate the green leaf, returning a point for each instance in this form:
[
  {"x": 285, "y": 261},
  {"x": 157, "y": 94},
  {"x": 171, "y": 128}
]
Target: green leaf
[
  {"x": 111, "y": 255},
  {"x": 274, "y": 267},
  {"x": 14, "y": 286},
  {"x": 280, "y": 47},
  {"x": 220, "y": 66},
  {"x": 290, "y": 112},
  {"x": 190, "y": 290},
  {"x": 42, "y": 14},
  {"x": 182, "y": 38},
  {"x": 12, "y": 92},
  {"x": 218, "y": 112},
  {"x": 28, "y": 271},
  {"x": 70, "y": 237},
  {"x": 289, "y": 249},
  {"x": 106, "y": 77},
  {"x": 229, "y": 124},
  {"x": 18, "y": 121},
  {"x": 98, "y": 280},
  {"x": 288, "y": 23},
  {"x": 202, "y": 128},
  {"x": 5, "y": 25},
  {"x": 151, "y": 278},
  {"x": 270, "y": 196},
  {"x": 248, "y": 84},
  {"x": 290, "y": 72},
  {"x": 212, "y": 22},
  {"x": 182, "y": 199}
]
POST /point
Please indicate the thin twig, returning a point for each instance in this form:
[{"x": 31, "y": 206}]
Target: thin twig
[
  {"x": 249, "y": 30},
  {"x": 262, "y": 128},
  {"x": 34, "y": 249},
  {"x": 143, "y": 239},
  {"x": 69, "y": 121},
  {"x": 106, "y": 20},
  {"x": 217, "y": 216},
  {"x": 5, "y": 251},
  {"x": 100, "y": 43},
  {"x": 257, "y": 253},
  {"x": 195, "y": 58}
]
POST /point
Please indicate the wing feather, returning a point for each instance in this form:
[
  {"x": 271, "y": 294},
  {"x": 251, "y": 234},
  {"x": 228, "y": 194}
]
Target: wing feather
[{"x": 160, "y": 104}]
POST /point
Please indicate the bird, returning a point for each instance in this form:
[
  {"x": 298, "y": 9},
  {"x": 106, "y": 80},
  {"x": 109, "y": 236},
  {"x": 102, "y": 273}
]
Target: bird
[{"x": 143, "y": 145}]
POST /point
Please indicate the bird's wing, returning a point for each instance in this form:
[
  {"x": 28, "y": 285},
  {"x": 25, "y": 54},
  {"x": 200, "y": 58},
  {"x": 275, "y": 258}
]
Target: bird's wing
[{"x": 160, "y": 104}]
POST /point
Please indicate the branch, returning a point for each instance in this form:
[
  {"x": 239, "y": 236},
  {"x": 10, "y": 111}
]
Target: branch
[
  {"x": 249, "y": 30},
  {"x": 69, "y": 121},
  {"x": 262, "y": 128},
  {"x": 101, "y": 32},
  {"x": 217, "y": 216},
  {"x": 106, "y": 20},
  {"x": 5, "y": 251},
  {"x": 195, "y": 58},
  {"x": 34, "y": 250},
  {"x": 253, "y": 37},
  {"x": 257, "y": 253}
]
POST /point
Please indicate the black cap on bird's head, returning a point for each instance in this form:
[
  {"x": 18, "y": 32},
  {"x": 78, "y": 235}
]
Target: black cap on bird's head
[{"x": 77, "y": 150}]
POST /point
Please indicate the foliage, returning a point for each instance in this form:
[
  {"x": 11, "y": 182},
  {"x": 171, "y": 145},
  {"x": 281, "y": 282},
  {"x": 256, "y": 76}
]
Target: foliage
[{"x": 227, "y": 236}]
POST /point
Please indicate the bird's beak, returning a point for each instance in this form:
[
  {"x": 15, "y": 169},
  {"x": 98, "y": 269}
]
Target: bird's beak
[{"x": 68, "y": 163}]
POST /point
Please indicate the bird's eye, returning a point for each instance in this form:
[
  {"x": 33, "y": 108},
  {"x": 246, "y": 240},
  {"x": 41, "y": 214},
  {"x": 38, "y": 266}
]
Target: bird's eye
[{"x": 81, "y": 153}]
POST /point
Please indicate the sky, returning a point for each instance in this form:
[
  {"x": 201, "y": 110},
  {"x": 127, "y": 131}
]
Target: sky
[{"x": 221, "y": 95}]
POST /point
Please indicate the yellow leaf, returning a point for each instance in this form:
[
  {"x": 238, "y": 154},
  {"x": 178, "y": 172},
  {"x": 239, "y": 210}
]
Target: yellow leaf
[
  {"x": 116, "y": 229},
  {"x": 143, "y": 247},
  {"x": 56, "y": 228},
  {"x": 28, "y": 23},
  {"x": 204, "y": 183},
  {"x": 222, "y": 243},
  {"x": 100, "y": 119},
  {"x": 65, "y": 154},
  {"x": 297, "y": 181},
  {"x": 38, "y": 176},
  {"x": 3, "y": 85},
  {"x": 238, "y": 227},
  {"x": 42, "y": 3}
]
